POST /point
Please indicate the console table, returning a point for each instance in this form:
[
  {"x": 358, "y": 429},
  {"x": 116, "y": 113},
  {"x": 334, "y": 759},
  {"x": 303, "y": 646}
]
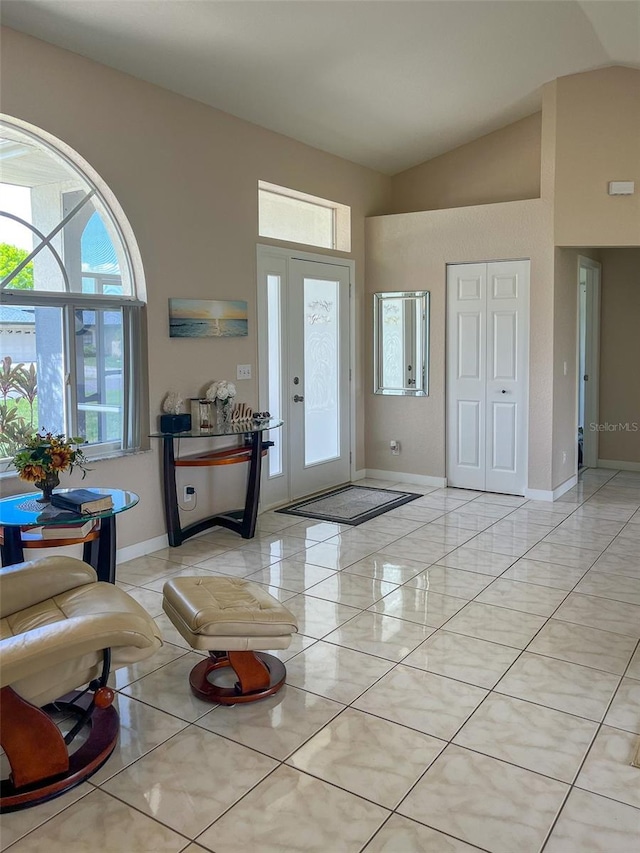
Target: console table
[
  {"x": 241, "y": 521},
  {"x": 20, "y": 513}
]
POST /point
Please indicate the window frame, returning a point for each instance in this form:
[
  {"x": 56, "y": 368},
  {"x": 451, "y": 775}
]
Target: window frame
[
  {"x": 341, "y": 220},
  {"x": 132, "y": 306}
]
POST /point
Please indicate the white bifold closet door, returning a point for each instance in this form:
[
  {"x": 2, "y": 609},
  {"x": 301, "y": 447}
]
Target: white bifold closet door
[{"x": 487, "y": 375}]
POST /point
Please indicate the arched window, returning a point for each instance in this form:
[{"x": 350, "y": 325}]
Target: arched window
[{"x": 71, "y": 282}]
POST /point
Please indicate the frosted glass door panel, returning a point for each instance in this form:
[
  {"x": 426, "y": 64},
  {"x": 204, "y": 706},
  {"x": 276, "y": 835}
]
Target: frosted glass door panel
[
  {"x": 321, "y": 371},
  {"x": 274, "y": 344}
]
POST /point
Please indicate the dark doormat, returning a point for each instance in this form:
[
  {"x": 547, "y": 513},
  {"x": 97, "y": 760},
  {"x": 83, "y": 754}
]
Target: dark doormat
[{"x": 349, "y": 504}]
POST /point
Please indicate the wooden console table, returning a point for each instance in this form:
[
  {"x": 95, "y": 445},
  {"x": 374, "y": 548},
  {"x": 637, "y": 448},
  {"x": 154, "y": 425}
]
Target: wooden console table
[{"x": 241, "y": 521}]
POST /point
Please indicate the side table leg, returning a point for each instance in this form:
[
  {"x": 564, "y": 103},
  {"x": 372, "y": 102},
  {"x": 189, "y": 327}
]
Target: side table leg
[
  {"x": 106, "y": 551},
  {"x": 174, "y": 530},
  {"x": 90, "y": 552},
  {"x": 250, "y": 515},
  {"x": 12, "y": 552}
]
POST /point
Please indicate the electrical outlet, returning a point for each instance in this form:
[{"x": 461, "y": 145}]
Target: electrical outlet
[
  {"x": 243, "y": 371},
  {"x": 394, "y": 446},
  {"x": 564, "y": 457},
  {"x": 188, "y": 493}
]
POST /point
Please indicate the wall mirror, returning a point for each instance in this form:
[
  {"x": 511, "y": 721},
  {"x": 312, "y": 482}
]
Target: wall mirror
[{"x": 401, "y": 343}]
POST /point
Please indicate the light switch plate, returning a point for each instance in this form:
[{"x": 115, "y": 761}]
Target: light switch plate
[{"x": 243, "y": 371}]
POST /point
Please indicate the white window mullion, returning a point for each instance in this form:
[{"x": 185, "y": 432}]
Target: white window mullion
[{"x": 70, "y": 372}]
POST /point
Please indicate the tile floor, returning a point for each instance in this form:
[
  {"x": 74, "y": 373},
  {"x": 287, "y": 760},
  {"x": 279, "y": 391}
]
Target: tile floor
[{"x": 466, "y": 677}]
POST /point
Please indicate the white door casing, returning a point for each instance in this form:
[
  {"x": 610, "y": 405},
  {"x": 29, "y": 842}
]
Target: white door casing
[
  {"x": 589, "y": 272},
  {"x": 303, "y": 322},
  {"x": 487, "y": 375}
]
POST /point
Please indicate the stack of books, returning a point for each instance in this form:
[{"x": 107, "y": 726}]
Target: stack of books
[
  {"x": 69, "y": 531},
  {"x": 82, "y": 501}
]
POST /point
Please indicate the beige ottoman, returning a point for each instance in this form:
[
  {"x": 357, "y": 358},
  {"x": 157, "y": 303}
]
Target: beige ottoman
[{"x": 233, "y": 619}]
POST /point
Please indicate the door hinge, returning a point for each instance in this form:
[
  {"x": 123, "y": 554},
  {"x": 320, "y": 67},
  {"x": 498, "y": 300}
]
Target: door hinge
[
  {"x": 349, "y": 374},
  {"x": 350, "y": 457}
]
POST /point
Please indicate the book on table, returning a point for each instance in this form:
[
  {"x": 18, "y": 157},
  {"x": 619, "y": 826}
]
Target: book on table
[
  {"x": 69, "y": 531},
  {"x": 82, "y": 501}
]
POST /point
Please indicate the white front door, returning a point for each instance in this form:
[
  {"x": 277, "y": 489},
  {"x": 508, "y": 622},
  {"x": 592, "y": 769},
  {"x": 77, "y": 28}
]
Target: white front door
[
  {"x": 487, "y": 375},
  {"x": 304, "y": 373}
]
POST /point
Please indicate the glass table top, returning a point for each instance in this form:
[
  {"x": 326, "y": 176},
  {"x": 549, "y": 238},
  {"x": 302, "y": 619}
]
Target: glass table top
[
  {"x": 237, "y": 428},
  {"x": 27, "y": 511}
]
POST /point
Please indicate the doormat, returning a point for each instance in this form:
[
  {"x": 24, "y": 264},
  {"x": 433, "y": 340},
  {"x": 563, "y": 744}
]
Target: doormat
[{"x": 349, "y": 504}]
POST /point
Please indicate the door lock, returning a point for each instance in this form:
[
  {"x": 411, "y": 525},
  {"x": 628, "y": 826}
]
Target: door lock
[
  {"x": 298, "y": 398},
  {"x": 296, "y": 380}
]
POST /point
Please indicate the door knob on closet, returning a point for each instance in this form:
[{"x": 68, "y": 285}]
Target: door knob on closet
[{"x": 504, "y": 391}]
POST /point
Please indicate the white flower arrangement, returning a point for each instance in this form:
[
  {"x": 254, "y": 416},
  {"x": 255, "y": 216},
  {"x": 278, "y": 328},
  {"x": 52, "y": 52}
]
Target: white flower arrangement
[{"x": 221, "y": 390}]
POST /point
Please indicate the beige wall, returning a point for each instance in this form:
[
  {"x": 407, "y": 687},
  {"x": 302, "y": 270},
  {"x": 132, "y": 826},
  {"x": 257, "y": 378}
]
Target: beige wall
[
  {"x": 597, "y": 140},
  {"x": 620, "y": 355},
  {"x": 589, "y": 135},
  {"x": 186, "y": 176},
  {"x": 410, "y": 252},
  {"x": 501, "y": 166}
]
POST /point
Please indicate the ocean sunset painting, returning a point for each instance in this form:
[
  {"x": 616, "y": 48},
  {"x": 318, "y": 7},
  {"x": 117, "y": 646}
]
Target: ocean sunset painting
[{"x": 207, "y": 318}]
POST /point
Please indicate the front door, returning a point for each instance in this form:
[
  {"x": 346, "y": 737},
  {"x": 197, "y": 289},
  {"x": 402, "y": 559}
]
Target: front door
[
  {"x": 304, "y": 373},
  {"x": 487, "y": 376}
]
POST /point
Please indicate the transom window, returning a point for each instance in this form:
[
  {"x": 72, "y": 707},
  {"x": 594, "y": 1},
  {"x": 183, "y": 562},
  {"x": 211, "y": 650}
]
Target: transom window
[
  {"x": 296, "y": 217},
  {"x": 70, "y": 317}
]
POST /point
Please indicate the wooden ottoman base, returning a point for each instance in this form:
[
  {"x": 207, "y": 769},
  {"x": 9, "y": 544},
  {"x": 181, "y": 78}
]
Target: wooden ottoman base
[{"x": 259, "y": 675}]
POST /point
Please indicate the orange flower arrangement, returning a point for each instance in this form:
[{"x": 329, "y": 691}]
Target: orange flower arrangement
[{"x": 46, "y": 455}]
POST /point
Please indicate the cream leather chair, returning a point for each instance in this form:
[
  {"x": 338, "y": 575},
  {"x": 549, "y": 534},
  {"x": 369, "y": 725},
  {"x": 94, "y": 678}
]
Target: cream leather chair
[{"x": 61, "y": 629}]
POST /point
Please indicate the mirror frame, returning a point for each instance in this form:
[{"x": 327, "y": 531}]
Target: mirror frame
[{"x": 423, "y": 303}]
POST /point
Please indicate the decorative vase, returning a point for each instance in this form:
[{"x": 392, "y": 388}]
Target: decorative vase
[
  {"x": 47, "y": 485},
  {"x": 223, "y": 412}
]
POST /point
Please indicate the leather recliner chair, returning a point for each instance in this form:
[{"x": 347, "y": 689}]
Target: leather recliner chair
[{"x": 61, "y": 629}]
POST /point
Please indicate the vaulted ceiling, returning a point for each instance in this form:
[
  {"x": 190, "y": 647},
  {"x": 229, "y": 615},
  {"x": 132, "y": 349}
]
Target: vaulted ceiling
[{"x": 385, "y": 83}]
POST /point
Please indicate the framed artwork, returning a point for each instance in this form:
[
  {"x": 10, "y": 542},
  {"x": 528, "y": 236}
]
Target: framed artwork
[{"x": 207, "y": 318}]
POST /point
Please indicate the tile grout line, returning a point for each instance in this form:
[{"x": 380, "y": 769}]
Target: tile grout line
[{"x": 395, "y": 664}]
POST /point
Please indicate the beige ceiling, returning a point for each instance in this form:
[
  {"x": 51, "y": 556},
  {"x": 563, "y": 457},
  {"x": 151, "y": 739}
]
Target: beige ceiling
[{"x": 385, "y": 83}]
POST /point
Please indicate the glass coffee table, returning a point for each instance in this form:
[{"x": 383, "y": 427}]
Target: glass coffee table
[{"x": 20, "y": 515}]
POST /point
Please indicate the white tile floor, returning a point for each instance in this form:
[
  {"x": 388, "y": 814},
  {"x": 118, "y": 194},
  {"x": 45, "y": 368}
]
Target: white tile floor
[{"x": 466, "y": 677}]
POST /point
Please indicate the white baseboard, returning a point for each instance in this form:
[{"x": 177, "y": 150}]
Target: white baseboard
[
  {"x": 359, "y": 475},
  {"x": 140, "y": 549},
  {"x": 553, "y": 494},
  {"x": 399, "y": 477},
  {"x": 620, "y": 466}
]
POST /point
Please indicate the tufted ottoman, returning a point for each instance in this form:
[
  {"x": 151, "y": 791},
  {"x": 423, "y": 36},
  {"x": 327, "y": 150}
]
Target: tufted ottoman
[{"x": 232, "y": 619}]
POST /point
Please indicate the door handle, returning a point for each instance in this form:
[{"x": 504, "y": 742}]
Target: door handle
[{"x": 298, "y": 398}]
